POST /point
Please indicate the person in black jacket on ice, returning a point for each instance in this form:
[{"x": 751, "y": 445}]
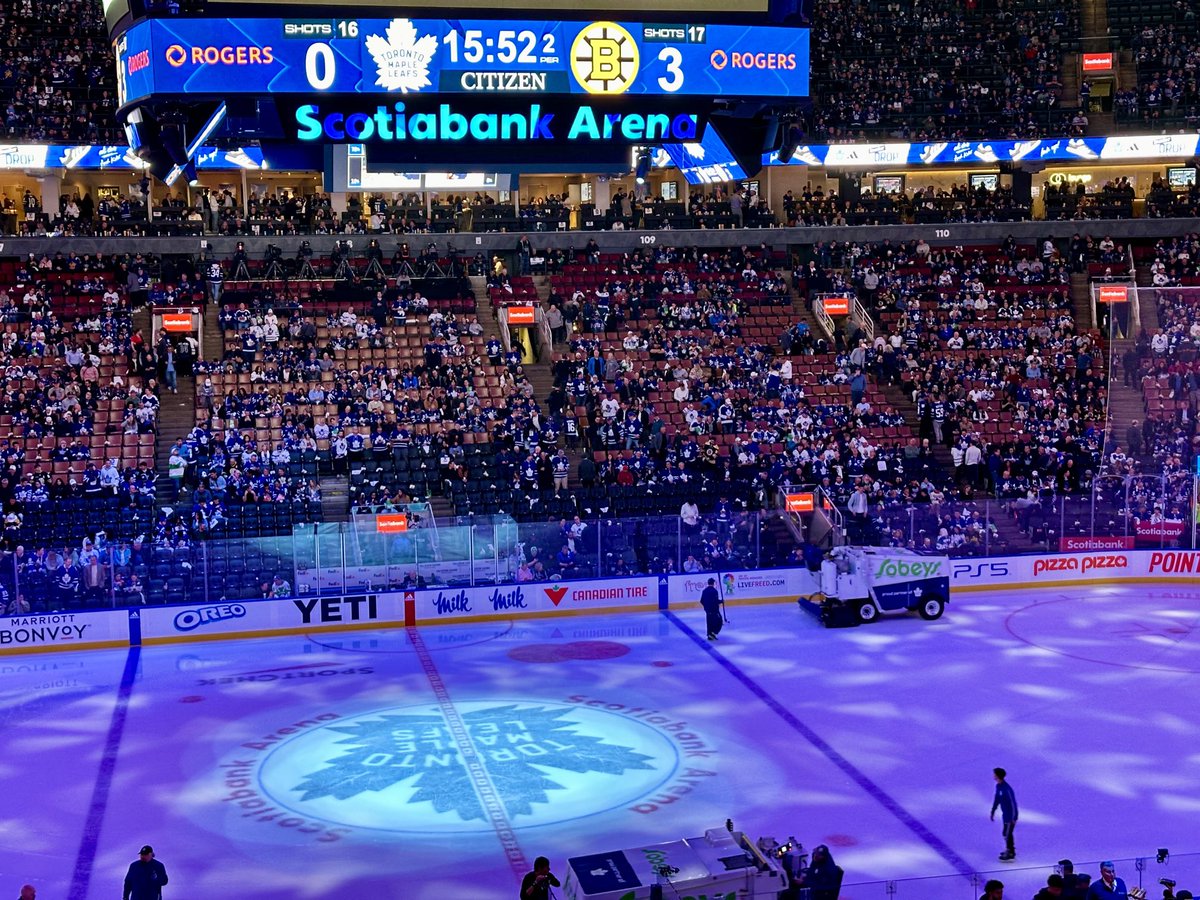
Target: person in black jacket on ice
[
  {"x": 710, "y": 599},
  {"x": 1006, "y": 801},
  {"x": 146, "y": 877}
]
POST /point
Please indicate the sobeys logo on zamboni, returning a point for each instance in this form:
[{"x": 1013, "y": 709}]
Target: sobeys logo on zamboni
[{"x": 897, "y": 568}]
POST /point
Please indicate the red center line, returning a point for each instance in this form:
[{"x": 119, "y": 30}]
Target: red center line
[{"x": 492, "y": 804}]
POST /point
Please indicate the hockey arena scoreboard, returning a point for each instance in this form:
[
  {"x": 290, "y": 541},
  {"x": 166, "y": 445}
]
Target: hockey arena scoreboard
[{"x": 225, "y": 57}]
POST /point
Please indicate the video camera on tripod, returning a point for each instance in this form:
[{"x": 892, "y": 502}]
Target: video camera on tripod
[
  {"x": 340, "y": 256},
  {"x": 273, "y": 257},
  {"x": 240, "y": 270}
]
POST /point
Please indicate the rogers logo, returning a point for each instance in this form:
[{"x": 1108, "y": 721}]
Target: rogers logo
[
  {"x": 763, "y": 61},
  {"x": 138, "y": 61},
  {"x": 555, "y": 594},
  {"x": 1080, "y": 564},
  {"x": 177, "y": 55}
]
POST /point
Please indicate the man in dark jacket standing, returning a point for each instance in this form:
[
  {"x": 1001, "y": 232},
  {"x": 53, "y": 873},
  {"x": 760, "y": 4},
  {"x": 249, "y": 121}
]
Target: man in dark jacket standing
[
  {"x": 710, "y": 599},
  {"x": 1006, "y": 801},
  {"x": 146, "y": 877}
]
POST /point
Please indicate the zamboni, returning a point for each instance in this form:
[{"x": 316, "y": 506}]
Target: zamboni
[
  {"x": 858, "y": 584},
  {"x": 721, "y": 865}
]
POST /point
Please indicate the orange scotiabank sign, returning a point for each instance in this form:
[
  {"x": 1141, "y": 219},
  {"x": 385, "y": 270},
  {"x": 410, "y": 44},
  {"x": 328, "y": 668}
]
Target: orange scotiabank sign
[
  {"x": 1097, "y": 62},
  {"x": 800, "y": 503},
  {"x": 520, "y": 315},
  {"x": 1113, "y": 293},
  {"x": 391, "y": 523},
  {"x": 177, "y": 321},
  {"x": 837, "y": 306}
]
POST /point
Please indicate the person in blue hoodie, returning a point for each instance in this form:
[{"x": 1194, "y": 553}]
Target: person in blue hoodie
[{"x": 1006, "y": 801}]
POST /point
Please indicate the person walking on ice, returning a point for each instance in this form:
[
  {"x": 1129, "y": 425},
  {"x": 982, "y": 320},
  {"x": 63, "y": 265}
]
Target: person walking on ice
[{"x": 1006, "y": 801}]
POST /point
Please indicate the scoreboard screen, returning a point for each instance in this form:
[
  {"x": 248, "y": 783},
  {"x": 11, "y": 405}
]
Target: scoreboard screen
[
  {"x": 400, "y": 56},
  {"x": 755, "y": 7}
]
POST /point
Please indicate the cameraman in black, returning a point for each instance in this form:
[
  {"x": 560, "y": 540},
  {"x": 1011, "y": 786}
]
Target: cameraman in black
[
  {"x": 240, "y": 262},
  {"x": 536, "y": 884}
]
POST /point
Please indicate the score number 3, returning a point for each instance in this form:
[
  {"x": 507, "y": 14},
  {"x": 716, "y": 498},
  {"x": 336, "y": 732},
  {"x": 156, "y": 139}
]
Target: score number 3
[{"x": 673, "y": 60}]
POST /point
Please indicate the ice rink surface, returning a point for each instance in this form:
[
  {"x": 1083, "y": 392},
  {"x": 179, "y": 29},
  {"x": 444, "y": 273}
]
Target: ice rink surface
[{"x": 438, "y": 763}]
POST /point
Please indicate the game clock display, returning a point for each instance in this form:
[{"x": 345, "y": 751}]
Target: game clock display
[{"x": 219, "y": 57}]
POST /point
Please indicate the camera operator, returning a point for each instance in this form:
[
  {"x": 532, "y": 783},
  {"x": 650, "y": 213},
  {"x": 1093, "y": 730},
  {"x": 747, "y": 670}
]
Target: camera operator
[
  {"x": 536, "y": 884},
  {"x": 305, "y": 253},
  {"x": 822, "y": 878}
]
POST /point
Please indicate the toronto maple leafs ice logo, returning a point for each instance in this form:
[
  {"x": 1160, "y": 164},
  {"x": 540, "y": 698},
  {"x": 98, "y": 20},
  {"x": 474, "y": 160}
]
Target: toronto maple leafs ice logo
[
  {"x": 403, "y": 58},
  {"x": 519, "y": 747}
]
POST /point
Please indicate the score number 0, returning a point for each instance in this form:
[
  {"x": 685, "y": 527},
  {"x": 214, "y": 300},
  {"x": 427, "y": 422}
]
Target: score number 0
[{"x": 319, "y": 65}]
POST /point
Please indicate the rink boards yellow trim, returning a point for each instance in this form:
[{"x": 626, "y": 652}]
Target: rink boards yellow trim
[
  {"x": 57, "y": 648},
  {"x": 374, "y": 625},
  {"x": 540, "y": 614},
  {"x": 1194, "y": 581}
]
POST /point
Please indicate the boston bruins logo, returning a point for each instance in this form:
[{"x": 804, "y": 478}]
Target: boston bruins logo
[{"x": 604, "y": 58}]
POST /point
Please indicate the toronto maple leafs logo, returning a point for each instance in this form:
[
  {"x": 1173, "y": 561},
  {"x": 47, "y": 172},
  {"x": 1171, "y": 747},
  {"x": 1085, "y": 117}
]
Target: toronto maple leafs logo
[
  {"x": 408, "y": 769},
  {"x": 402, "y": 58}
]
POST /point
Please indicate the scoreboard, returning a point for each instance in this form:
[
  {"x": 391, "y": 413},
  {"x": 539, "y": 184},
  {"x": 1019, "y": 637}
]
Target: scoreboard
[{"x": 224, "y": 57}]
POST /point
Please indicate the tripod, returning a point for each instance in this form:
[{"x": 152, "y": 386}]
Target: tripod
[
  {"x": 307, "y": 272},
  {"x": 274, "y": 270},
  {"x": 344, "y": 270},
  {"x": 241, "y": 273},
  {"x": 375, "y": 270},
  {"x": 404, "y": 269}
]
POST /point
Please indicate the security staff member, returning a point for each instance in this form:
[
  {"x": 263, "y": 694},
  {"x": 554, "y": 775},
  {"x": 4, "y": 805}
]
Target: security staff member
[{"x": 146, "y": 877}]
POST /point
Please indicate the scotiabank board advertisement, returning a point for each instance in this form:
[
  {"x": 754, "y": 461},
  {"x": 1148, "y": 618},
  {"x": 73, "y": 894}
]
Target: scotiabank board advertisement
[
  {"x": 752, "y": 586},
  {"x": 526, "y": 599},
  {"x": 1076, "y": 544},
  {"x": 64, "y": 631},
  {"x": 290, "y": 615},
  {"x": 1164, "y": 532}
]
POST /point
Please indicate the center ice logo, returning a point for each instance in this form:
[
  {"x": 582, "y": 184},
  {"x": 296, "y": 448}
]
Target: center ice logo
[{"x": 418, "y": 769}]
